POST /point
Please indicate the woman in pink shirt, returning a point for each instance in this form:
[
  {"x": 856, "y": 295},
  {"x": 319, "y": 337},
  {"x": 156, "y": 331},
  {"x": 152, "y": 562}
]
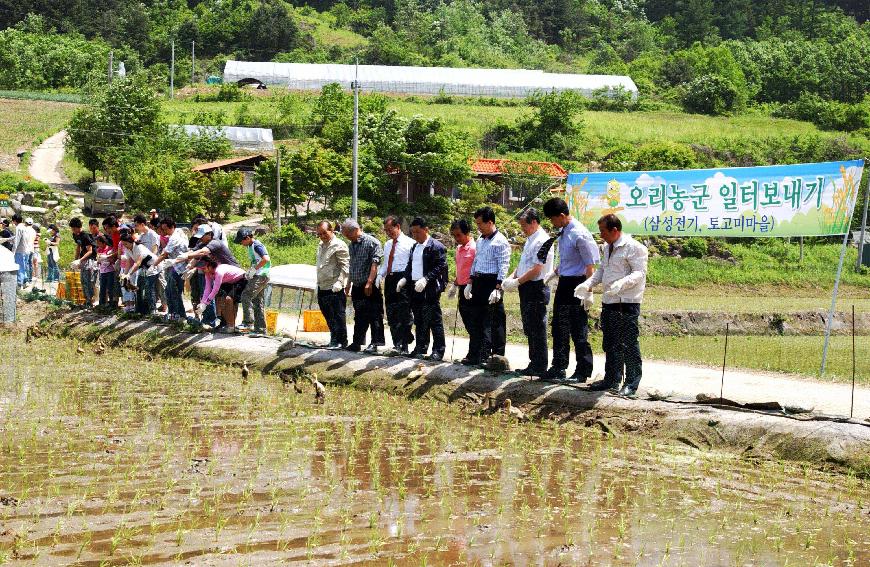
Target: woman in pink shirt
[
  {"x": 224, "y": 283},
  {"x": 465, "y": 250}
]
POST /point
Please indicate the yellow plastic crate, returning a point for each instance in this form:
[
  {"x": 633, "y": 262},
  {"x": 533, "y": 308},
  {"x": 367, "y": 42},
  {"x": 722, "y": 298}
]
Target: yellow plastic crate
[{"x": 314, "y": 322}]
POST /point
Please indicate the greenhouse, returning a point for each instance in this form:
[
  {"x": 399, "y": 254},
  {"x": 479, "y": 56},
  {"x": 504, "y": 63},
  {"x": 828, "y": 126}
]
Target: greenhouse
[
  {"x": 421, "y": 80},
  {"x": 253, "y": 139}
]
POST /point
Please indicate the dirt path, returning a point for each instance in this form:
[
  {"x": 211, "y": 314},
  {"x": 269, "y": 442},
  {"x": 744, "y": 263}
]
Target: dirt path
[
  {"x": 45, "y": 166},
  {"x": 684, "y": 381}
]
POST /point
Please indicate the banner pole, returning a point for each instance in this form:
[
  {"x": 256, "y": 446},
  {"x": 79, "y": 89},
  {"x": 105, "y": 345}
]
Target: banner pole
[{"x": 833, "y": 303}]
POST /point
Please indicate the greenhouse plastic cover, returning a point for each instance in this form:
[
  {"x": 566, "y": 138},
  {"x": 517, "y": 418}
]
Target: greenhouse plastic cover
[
  {"x": 240, "y": 138},
  {"x": 422, "y": 80}
]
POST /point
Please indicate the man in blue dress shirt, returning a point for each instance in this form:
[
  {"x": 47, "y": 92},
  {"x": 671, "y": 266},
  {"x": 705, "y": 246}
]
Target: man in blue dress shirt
[
  {"x": 578, "y": 255},
  {"x": 484, "y": 291}
]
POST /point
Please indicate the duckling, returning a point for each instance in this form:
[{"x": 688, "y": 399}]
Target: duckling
[
  {"x": 297, "y": 387},
  {"x": 80, "y": 350},
  {"x": 245, "y": 370},
  {"x": 417, "y": 373},
  {"x": 510, "y": 410},
  {"x": 319, "y": 390},
  {"x": 100, "y": 348}
]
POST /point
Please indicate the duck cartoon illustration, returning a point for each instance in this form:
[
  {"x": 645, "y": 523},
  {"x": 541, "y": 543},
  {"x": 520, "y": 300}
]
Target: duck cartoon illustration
[{"x": 612, "y": 198}]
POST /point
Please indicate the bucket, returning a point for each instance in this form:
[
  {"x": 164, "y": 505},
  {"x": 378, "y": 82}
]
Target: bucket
[
  {"x": 271, "y": 321},
  {"x": 314, "y": 322}
]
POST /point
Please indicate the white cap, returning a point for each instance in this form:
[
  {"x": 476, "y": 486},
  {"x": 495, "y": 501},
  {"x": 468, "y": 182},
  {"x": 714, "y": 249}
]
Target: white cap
[
  {"x": 28, "y": 220},
  {"x": 202, "y": 230}
]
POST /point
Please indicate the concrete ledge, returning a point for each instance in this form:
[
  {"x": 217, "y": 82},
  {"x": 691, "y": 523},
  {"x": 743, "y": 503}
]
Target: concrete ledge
[{"x": 749, "y": 434}]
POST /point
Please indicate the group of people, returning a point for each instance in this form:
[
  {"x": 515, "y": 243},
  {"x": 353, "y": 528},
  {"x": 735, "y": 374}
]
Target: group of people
[
  {"x": 136, "y": 265},
  {"x": 22, "y": 237},
  {"x": 407, "y": 276}
]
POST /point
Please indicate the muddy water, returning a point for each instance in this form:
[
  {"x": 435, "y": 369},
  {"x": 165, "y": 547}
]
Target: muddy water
[{"x": 114, "y": 459}]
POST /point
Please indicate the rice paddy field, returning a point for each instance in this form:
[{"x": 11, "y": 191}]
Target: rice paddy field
[{"x": 109, "y": 456}]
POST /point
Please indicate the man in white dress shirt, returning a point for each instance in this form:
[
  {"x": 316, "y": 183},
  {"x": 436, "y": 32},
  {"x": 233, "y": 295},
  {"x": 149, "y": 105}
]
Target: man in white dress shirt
[
  {"x": 397, "y": 249},
  {"x": 528, "y": 279},
  {"x": 622, "y": 275}
]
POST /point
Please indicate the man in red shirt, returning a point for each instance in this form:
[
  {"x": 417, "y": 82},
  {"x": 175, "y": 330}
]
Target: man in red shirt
[{"x": 465, "y": 250}]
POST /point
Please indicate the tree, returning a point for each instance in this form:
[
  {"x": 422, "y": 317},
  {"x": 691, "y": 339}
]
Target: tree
[
  {"x": 219, "y": 188},
  {"x": 117, "y": 117}
]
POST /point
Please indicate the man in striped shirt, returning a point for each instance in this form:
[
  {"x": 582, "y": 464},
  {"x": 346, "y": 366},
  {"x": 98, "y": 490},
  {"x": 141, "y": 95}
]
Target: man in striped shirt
[
  {"x": 368, "y": 305},
  {"x": 488, "y": 270}
]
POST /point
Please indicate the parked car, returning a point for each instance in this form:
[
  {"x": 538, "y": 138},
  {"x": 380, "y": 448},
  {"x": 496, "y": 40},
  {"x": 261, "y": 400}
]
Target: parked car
[{"x": 104, "y": 199}]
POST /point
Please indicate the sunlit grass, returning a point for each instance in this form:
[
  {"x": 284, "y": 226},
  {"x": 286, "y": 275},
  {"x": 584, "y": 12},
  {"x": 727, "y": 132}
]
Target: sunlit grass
[{"x": 25, "y": 123}]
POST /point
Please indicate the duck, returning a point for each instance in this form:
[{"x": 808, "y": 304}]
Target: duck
[
  {"x": 512, "y": 411},
  {"x": 245, "y": 370},
  {"x": 319, "y": 390},
  {"x": 417, "y": 372},
  {"x": 80, "y": 350}
]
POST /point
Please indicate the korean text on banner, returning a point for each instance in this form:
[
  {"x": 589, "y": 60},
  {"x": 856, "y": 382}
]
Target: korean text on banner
[{"x": 813, "y": 199}]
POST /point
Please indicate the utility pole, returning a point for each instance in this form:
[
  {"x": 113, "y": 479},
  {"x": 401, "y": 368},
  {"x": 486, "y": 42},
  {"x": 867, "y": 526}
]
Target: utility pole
[
  {"x": 278, "y": 182},
  {"x": 192, "y": 62},
  {"x": 172, "y": 73},
  {"x": 111, "y": 64},
  {"x": 354, "y": 198}
]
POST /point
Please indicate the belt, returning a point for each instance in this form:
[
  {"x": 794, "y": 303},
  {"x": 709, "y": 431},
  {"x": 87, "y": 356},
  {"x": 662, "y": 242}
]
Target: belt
[{"x": 619, "y": 306}]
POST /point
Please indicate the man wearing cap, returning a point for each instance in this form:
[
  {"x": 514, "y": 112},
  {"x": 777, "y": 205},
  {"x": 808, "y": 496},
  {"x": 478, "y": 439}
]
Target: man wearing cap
[
  {"x": 578, "y": 255},
  {"x": 490, "y": 266},
  {"x": 7, "y": 237},
  {"x": 253, "y": 297},
  {"x": 208, "y": 245},
  {"x": 528, "y": 279},
  {"x": 368, "y": 305},
  {"x": 426, "y": 276},
  {"x": 397, "y": 250},
  {"x": 622, "y": 274},
  {"x": 333, "y": 265}
]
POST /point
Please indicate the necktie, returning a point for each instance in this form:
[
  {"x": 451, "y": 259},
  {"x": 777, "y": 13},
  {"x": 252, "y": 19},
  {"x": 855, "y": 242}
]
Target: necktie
[
  {"x": 610, "y": 251},
  {"x": 392, "y": 254}
]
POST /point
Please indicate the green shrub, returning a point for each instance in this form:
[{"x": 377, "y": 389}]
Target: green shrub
[
  {"x": 250, "y": 202},
  {"x": 664, "y": 155},
  {"x": 230, "y": 92},
  {"x": 288, "y": 235},
  {"x": 711, "y": 94},
  {"x": 827, "y": 114},
  {"x": 694, "y": 247}
]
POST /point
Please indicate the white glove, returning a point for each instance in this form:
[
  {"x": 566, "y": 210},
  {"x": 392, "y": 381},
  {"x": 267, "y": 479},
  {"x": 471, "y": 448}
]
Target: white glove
[
  {"x": 401, "y": 284},
  {"x": 188, "y": 274},
  {"x": 200, "y": 308},
  {"x": 495, "y": 296},
  {"x": 183, "y": 257},
  {"x": 510, "y": 284},
  {"x": 250, "y": 273},
  {"x": 551, "y": 275},
  {"x": 581, "y": 290},
  {"x": 420, "y": 285},
  {"x": 451, "y": 291},
  {"x": 587, "y": 300},
  {"x": 378, "y": 281},
  {"x": 336, "y": 287},
  {"x": 467, "y": 292},
  {"x": 75, "y": 264},
  {"x": 616, "y": 287}
]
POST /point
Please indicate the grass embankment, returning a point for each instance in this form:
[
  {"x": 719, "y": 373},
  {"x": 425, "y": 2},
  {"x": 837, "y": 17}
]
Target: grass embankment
[
  {"x": 277, "y": 107},
  {"x": 25, "y": 123},
  {"x": 124, "y": 458}
]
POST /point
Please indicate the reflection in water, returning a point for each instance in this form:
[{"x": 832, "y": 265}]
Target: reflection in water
[{"x": 159, "y": 468}]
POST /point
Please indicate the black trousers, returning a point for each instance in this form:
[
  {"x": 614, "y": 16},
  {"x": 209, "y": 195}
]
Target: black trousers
[
  {"x": 490, "y": 320},
  {"x": 399, "y": 314},
  {"x": 368, "y": 311},
  {"x": 621, "y": 346},
  {"x": 534, "y": 299},
  {"x": 571, "y": 322},
  {"x": 333, "y": 304},
  {"x": 428, "y": 319},
  {"x": 466, "y": 311}
]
